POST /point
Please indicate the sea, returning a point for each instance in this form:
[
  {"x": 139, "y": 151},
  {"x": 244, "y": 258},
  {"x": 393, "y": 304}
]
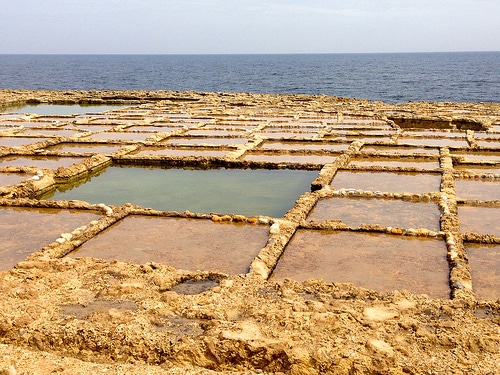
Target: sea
[{"x": 387, "y": 77}]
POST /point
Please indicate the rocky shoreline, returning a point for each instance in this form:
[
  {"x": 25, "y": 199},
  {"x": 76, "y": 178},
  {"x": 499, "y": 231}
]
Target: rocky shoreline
[{"x": 84, "y": 315}]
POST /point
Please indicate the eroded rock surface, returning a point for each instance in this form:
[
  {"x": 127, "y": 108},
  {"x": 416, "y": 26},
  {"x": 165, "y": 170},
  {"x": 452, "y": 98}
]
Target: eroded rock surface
[{"x": 61, "y": 313}]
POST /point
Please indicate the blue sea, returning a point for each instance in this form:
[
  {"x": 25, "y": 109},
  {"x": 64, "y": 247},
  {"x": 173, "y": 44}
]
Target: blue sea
[{"x": 388, "y": 77}]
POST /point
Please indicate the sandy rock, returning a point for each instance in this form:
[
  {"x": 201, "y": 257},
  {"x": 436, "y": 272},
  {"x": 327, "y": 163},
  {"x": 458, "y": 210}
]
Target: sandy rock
[
  {"x": 379, "y": 314},
  {"x": 380, "y": 347},
  {"x": 404, "y": 304},
  {"x": 11, "y": 370}
]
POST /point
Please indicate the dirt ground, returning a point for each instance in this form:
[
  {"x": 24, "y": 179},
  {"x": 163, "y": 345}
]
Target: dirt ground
[
  {"x": 88, "y": 316},
  {"x": 242, "y": 325}
]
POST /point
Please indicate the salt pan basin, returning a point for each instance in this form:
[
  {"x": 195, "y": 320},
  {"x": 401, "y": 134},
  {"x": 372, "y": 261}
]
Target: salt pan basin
[
  {"x": 12, "y": 178},
  {"x": 387, "y": 181},
  {"x": 484, "y": 261},
  {"x": 395, "y": 162},
  {"x": 19, "y": 141},
  {"x": 239, "y": 191},
  {"x": 61, "y": 109},
  {"x": 83, "y": 148},
  {"x": 49, "y": 162},
  {"x": 388, "y": 213},
  {"x": 479, "y": 219},
  {"x": 24, "y": 230},
  {"x": 377, "y": 261},
  {"x": 189, "y": 244},
  {"x": 480, "y": 190}
]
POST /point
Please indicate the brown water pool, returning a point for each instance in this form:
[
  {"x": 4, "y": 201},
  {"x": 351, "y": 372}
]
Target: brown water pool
[
  {"x": 49, "y": 162},
  {"x": 84, "y": 311},
  {"x": 19, "y": 141},
  {"x": 205, "y": 141},
  {"x": 478, "y": 168},
  {"x": 183, "y": 151},
  {"x": 182, "y": 243},
  {"x": 12, "y": 178},
  {"x": 97, "y": 148},
  {"x": 121, "y": 136},
  {"x": 376, "y": 261},
  {"x": 24, "y": 230},
  {"x": 484, "y": 261},
  {"x": 387, "y": 181},
  {"x": 479, "y": 219},
  {"x": 292, "y": 158},
  {"x": 388, "y": 213},
  {"x": 490, "y": 143},
  {"x": 400, "y": 150},
  {"x": 433, "y": 142},
  {"x": 480, "y": 155},
  {"x": 305, "y": 146},
  {"x": 153, "y": 129},
  {"x": 53, "y": 132},
  {"x": 481, "y": 189},
  {"x": 288, "y": 135},
  {"x": 395, "y": 162}
]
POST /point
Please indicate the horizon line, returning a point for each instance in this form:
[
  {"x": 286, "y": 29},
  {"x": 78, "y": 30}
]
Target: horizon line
[{"x": 243, "y": 54}]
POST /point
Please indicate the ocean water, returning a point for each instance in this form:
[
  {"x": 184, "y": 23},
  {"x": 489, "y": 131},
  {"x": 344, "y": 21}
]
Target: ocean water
[{"x": 389, "y": 77}]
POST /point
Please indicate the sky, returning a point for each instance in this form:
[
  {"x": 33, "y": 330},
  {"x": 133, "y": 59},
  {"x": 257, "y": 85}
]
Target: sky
[{"x": 247, "y": 26}]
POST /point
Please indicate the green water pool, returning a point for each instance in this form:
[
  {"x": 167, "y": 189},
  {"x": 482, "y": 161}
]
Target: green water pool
[{"x": 228, "y": 191}]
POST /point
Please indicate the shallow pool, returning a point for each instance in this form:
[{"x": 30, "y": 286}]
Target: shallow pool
[
  {"x": 484, "y": 261},
  {"x": 188, "y": 244},
  {"x": 395, "y": 182},
  {"x": 388, "y": 213},
  {"x": 24, "y": 230},
  {"x": 239, "y": 191},
  {"x": 377, "y": 261},
  {"x": 78, "y": 147},
  {"x": 479, "y": 219},
  {"x": 19, "y": 141},
  {"x": 49, "y": 162},
  {"x": 59, "y": 109}
]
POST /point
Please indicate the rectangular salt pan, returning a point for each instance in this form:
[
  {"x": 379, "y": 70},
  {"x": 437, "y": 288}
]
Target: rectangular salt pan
[
  {"x": 24, "y": 230},
  {"x": 395, "y": 162},
  {"x": 291, "y": 158},
  {"x": 399, "y": 150},
  {"x": 181, "y": 243},
  {"x": 94, "y": 148},
  {"x": 162, "y": 151},
  {"x": 123, "y": 136},
  {"x": 479, "y": 219},
  {"x": 49, "y": 162},
  {"x": 478, "y": 190},
  {"x": 380, "y": 262},
  {"x": 56, "y": 109},
  {"x": 12, "y": 178},
  {"x": 337, "y": 147},
  {"x": 484, "y": 261},
  {"x": 388, "y": 213},
  {"x": 19, "y": 141},
  {"x": 387, "y": 181},
  {"x": 433, "y": 142},
  {"x": 201, "y": 141},
  {"x": 239, "y": 191}
]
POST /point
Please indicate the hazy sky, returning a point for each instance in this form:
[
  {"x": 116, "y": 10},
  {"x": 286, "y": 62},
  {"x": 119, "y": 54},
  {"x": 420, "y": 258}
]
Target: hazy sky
[{"x": 248, "y": 26}]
